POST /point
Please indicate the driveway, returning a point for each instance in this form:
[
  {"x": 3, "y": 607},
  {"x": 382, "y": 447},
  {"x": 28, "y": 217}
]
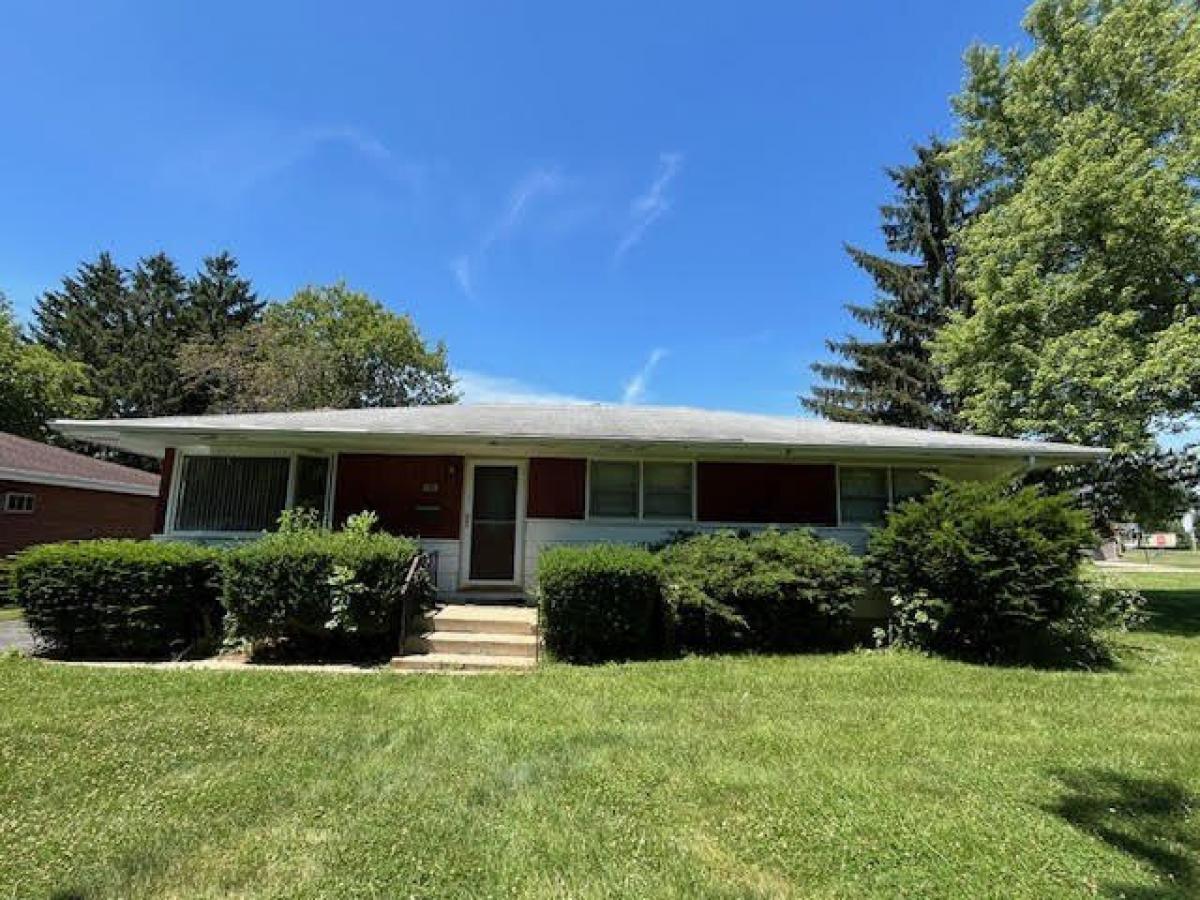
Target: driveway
[{"x": 14, "y": 635}]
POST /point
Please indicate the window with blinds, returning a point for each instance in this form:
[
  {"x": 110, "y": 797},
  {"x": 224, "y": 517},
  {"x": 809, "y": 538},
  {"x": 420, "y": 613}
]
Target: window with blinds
[{"x": 231, "y": 493}]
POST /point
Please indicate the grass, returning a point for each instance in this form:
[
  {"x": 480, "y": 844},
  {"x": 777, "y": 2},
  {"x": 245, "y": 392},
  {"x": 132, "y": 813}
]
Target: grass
[
  {"x": 1175, "y": 559},
  {"x": 865, "y": 774},
  {"x": 9, "y": 613}
]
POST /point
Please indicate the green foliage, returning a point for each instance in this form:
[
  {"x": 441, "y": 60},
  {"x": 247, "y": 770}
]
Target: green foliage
[
  {"x": 325, "y": 347},
  {"x": 119, "y": 599},
  {"x": 361, "y": 523},
  {"x": 891, "y": 380},
  {"x": 773, "y": 591},
  {"x": 296, "y": 519},
  {"x": 986, "y": 572},
  {"x": 1152, "y": 489},
  {"x": 603, "y": 602},
  {"x": 124, "y": 329},
  {"x": 1085, "y": 259},
  {"x": 321, "y": 592},
  {"x": 36, "y": 384}
]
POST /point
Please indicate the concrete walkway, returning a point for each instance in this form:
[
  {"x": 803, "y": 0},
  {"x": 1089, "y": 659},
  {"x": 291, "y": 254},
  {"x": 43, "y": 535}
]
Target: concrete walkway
[
  {"x": 14, "y": 635},
  {"x": 1123, "y": 565}
]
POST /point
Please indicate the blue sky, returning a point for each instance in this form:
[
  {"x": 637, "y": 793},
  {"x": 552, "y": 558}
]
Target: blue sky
[{"x": 621, "y": 201}]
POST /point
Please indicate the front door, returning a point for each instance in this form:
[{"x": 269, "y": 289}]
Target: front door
[{"x": 493, "y": 522}]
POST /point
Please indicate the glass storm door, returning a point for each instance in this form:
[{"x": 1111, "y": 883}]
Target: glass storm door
[{"x": 494, "y": 522}]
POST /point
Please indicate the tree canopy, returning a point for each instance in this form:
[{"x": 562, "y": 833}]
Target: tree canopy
[
  {"x": 890, "y": 380},
  {"x": 1084, "y": 260},
  {"x": 126, "y": 328},
  {"x": 35, "y": 383},
  {"x": 327, "y": 346}
]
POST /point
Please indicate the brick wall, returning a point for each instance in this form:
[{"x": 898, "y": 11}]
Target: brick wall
[{"x": 66, "y": 514}]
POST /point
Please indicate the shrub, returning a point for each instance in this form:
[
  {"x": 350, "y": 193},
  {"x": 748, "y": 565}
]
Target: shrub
[
  {"x": 321, "y": 592},
  {"x": 119, "y": 599},
  {"x": 772, "y": 590},
  {"x": 985, "y": 572},
  {"x": 602, "y": 602}
]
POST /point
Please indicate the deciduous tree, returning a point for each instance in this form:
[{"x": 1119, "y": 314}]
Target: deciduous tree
[{"x": 1084, "y": 263}]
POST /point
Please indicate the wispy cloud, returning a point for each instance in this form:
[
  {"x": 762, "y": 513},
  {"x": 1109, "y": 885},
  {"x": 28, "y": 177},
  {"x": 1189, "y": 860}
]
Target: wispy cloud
[
  {"x": 231, "y": 164},
  {"x": 526, "y": 192},
  {"x": 479, "y": 387},
  {"x": 461, "y": 267},
  {"x": 649, "y": 207},
  {"x": 635, "y": 388}
]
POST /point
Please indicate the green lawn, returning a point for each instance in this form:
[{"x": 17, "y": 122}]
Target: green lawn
[
  {"x": 1175, "y": 559},
  {"x": 9, "y": 613},
  {"x": 868, "y": 774}
]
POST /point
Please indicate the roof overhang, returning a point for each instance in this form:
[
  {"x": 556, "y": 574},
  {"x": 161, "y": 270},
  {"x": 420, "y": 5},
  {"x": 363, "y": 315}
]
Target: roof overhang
[
  {"x": 146, "y": 438},
  {"x": 29, "y": 476}
]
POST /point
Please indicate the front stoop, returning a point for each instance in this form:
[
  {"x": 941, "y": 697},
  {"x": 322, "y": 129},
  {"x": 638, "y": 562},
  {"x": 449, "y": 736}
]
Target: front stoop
[{"x": 460, "y": 637}]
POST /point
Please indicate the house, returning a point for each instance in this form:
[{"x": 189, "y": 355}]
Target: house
[
  {"x": 50, "y": 494},
  {"x": 488, "y": 487}
]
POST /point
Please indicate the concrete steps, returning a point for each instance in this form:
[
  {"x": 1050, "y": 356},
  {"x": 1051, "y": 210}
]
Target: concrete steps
[{"x": 462, "y": 637}]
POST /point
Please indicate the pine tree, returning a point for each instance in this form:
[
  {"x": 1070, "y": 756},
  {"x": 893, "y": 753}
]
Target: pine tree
[
  {"x": 220, "y": 299},
  {"x": 127, "y": 328},
  {"x": 219, "y": 302},
  {"x": 890, "y": 380}
]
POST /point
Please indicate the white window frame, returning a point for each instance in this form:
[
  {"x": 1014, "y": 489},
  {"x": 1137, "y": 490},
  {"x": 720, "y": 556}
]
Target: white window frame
[
  {"x": 640, "y": 518},
  {"x": 26, "y": 497},
  {"x": 891, "y": 491},
  {"x": 291, "y": 455}
]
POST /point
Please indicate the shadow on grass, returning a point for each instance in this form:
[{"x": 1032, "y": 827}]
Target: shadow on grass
[
  {"x": 1173, "y": 612},
  {"x": 1154, "y": 821}
]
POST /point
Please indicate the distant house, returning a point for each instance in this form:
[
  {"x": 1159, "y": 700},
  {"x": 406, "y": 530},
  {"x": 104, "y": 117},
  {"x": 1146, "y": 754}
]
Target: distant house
[
  {"x": 488, "y": 487},
  {"x": 50, "y": 494}
]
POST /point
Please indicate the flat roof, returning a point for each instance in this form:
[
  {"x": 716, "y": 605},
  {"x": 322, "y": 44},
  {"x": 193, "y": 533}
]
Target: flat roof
[{"x": 592, "y": 424}]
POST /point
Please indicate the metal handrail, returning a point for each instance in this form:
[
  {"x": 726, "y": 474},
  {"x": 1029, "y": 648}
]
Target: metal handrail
[{"x": 421, "y": 561}]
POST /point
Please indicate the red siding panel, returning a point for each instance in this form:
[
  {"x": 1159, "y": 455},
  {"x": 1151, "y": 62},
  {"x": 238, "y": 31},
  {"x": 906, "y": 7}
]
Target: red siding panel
[
  {"x": 413, "y": 495},
  {"x": 164, "y": 491},
  {"x": 556, "y": 488},
  {"x": 759, "y": 493},
  {"x": 72, "y": 514}
]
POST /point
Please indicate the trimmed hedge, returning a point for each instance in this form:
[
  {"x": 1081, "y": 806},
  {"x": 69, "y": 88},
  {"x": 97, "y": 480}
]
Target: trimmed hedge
[
  {"x": 602, "y": 602},
  {"x": 771, "y": 591},
  {"x": 321, "y": 592},
  {"x": 119, "y": 599},
  {"x": 985, "y": 572}
]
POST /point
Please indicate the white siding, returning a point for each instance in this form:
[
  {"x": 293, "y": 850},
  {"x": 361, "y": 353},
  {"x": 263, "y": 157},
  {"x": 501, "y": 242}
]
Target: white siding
[
  {"x": 448, "y": 555},
  {"x": 543, "y": 533}
]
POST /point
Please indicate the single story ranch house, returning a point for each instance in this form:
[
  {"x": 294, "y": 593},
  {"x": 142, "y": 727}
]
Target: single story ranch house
[{"x": 487, "y": 487}]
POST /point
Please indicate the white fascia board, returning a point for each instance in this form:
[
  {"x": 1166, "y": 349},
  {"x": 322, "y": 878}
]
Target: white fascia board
[
  {"x": 147, "y": 439},
  {"x": 25, "y": 476}
]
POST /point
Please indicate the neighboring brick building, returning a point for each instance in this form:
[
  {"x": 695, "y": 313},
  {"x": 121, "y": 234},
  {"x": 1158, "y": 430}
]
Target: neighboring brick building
[{"x": 49, "y": 494}]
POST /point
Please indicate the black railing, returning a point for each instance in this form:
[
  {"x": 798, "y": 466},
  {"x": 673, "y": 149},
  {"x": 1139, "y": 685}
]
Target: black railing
[{"x": 423, "y": 565}]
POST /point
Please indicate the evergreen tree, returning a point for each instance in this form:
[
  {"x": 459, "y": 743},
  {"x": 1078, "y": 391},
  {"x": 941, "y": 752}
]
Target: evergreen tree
[
  {"x": 890, "y": 380},
  {"x": 220, "y": 299},
  {"x": 127, "y": 328}
]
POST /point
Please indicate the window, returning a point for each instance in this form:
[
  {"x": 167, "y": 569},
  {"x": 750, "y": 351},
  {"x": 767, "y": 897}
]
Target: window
[
  {"x": 909, "y": 484},
  {"x": 667, "y": 490},
  {"x": 247, "y": 493},
  {"x": 864, "y": 495},
  {"x": 18, "y": 503},
  {"x": 632, "y": 490},
  {"x": 869, "y": 492},
  {"x": 614, "y": 490},
  {"x": 312, "y": 483}
]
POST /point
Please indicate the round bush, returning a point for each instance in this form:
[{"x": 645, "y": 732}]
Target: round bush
[
  {"x": 321, "y": 591},
  {"x": 602, "y": 602},
  {"x": 985, "y": 572},
  {"x": 119, "y": 599},
  {"x": 774, "y": 590}
]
